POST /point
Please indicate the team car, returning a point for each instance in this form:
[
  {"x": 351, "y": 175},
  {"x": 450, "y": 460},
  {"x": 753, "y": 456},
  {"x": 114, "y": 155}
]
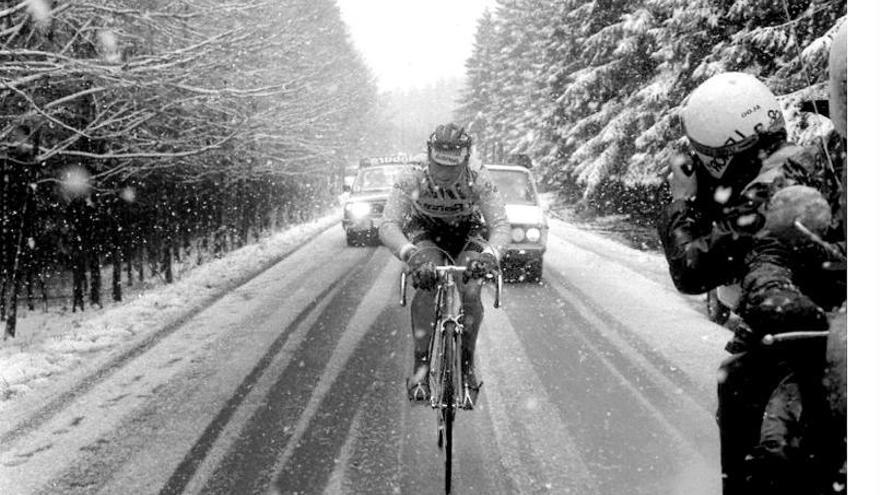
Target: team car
[
  {"x": 523, "y": 259},
  {"x": 364, "y": 200}
]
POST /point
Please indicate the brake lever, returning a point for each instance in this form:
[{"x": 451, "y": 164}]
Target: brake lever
[
  {"x": 403, "y": 289},
  {"x": 499, "y": 282}
]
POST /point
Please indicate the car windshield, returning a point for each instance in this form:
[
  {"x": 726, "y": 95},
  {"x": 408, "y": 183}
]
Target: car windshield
[
  {"x": 515, "y": 187},
  {"x": 375, "y": 179}
]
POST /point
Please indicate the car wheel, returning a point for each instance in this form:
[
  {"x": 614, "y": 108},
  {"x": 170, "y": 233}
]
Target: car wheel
[{"x": 716, "y": 310}]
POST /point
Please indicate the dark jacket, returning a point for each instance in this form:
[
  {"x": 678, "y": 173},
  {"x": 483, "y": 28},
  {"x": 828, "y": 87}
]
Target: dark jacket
[
  {"x": 817, "y": 270},
  {"x": 706, "y": 239}
]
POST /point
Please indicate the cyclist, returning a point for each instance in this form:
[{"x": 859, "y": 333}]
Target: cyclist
[
  {"x": 739, "y": 156},
  {"x": 446, "y": 205}
]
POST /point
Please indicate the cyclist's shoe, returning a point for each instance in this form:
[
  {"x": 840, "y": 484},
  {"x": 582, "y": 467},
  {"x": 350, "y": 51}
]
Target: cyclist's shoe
[
  {"x": 471, "y": 389},
  {"x": 417, "y": 387}
]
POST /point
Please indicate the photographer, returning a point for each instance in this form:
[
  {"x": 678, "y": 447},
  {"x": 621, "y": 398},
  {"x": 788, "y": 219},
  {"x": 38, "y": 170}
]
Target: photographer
[{"x": 740, "y": 156}]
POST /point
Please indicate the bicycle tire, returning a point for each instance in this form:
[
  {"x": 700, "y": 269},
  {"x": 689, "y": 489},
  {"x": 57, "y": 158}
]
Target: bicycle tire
[
  {"x": 450, "y": 418},
  {"x": 448, "y": 394}
]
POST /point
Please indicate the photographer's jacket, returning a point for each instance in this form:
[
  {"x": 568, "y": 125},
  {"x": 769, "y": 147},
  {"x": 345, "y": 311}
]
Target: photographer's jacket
[{"x": 706, "y": 238}]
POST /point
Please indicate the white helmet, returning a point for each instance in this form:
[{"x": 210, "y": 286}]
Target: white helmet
[
  {"x": 837, "y": 78},
  {"x": 724, "y": 116}
]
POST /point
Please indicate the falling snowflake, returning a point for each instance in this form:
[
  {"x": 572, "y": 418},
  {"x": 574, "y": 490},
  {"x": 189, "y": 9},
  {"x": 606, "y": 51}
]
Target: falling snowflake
[
  {"x": 127, "y": 194},
  {"x": 722, "y": 194},
  {"x": 75, "y": 181},
  {"x": 40, "y": 12},
  {"x": 109, "y": 46}
]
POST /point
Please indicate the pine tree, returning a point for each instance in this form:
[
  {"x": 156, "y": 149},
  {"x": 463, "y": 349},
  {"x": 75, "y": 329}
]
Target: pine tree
[
  {"x": 592, "y": 89},
  {"x": 479, "y": 70}
]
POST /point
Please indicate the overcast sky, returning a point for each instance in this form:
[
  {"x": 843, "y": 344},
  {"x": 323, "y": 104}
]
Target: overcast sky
[{"x": 410, "y": 43}]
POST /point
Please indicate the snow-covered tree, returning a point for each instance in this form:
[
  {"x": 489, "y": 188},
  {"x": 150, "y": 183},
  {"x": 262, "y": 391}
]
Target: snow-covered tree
[
  {"x": 599, "y": 106},
  {"x": 507, "y": 86},
  {"x": 133, "y": 129}
]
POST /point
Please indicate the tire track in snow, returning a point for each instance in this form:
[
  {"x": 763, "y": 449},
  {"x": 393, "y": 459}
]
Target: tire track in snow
[
  {"x": 86, "y": 384},
  {"x": 338, "y": 477},
  {"x": 374, "y": 302},
  {"x": 519, "y": 405},
  {"x": 590, "y": 310},
  {"x": 134, "y": 414},
  {"x": 187, "y": 468},
  {"x": 633, "y": 427}
]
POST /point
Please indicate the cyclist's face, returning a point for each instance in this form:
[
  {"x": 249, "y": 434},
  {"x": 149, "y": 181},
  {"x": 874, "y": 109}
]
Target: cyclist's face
[{"x": 450, "y": 156}]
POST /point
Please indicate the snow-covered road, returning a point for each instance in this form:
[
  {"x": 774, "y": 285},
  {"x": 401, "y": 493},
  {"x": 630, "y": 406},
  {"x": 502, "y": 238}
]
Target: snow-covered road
[{"x": 599, "y": 380}]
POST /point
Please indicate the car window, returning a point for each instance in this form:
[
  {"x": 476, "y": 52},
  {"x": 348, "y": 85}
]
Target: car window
[
  {"x": 515, "y": 187},
  {"x": 375, "y": 179}
]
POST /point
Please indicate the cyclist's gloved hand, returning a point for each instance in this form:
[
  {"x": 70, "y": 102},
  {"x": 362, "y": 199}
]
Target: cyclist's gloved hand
[
  {"x": 783, "y": 310},
  {"x": 421, "y": 269},
  {"x": 479, "y": 266}
]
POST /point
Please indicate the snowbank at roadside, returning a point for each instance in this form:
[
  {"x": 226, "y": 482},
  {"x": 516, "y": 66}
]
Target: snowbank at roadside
[{"x": 52, "y": 344}]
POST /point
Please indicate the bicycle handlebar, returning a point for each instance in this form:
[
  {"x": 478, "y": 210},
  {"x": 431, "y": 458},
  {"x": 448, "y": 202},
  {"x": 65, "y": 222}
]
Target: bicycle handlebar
[
  {"x": 783, "y": 337},
  {"x": 442, "y": 270}
]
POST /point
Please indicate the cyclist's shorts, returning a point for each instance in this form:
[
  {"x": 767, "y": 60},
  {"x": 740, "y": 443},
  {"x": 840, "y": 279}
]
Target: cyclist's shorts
[{"x": 470, "y": 236}]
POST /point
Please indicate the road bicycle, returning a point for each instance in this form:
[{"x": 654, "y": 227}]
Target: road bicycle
[{"x": 445, "y": 375}]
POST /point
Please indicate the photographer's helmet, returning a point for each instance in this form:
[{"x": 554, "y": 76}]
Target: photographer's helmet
[
  {"x": 449, "y": 145},
  {"x": 725, "y": 115}
]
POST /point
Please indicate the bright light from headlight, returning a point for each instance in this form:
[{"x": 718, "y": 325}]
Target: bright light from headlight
[
  {"x": 533, "y": 234},
  {"x": 517, "y": 234},
  {"x": 359, "y": 209}
]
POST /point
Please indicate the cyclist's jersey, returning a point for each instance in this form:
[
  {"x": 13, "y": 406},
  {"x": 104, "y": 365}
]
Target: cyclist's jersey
[{"x": 420, "y": 207}]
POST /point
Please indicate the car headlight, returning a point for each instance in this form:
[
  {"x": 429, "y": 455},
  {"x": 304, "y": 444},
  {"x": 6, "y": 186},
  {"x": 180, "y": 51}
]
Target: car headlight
[
  {"x": 517, "y": 234},
  {"x": 358, "y": 210},
  {"x": 533, "y": 234}
]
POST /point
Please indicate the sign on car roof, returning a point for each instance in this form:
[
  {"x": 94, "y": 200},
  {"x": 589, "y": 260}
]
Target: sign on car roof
[{"x": 385, "y": 160}]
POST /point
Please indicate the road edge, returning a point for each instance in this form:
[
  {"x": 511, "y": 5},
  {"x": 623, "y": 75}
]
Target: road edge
[{"x": 41, "y": 405}]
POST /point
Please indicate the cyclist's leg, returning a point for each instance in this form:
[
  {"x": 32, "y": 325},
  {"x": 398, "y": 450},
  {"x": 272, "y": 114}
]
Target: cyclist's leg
[
  {"x": 422, "y": 319},
  {"x": 472, "y": 307}
]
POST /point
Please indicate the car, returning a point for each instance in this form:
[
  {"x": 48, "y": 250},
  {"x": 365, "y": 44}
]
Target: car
[
  {"x": 523, "y": 259},
  {"x": 364, "y": 200}
]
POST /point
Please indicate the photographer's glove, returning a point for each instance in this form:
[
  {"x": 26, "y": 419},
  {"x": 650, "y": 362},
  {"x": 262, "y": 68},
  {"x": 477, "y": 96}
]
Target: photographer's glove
[
  {"x": 783, "y": 310},
  {"x": 421, "y": 269},
  {"x": 480, "y": 266}
]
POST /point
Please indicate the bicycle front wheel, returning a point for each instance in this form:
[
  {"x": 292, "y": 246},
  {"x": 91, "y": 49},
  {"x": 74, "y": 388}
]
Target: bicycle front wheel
[
  {"x": 449, "y": 414},
  {"x": 448, "y": 378}
]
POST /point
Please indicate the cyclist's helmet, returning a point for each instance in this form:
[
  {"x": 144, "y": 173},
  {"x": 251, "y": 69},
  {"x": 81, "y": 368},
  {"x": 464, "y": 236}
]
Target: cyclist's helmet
[
  {"x": 449, "y": 145},
  {"x": 726, "y": 116},
  {"x": 837, "y": 80}
]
